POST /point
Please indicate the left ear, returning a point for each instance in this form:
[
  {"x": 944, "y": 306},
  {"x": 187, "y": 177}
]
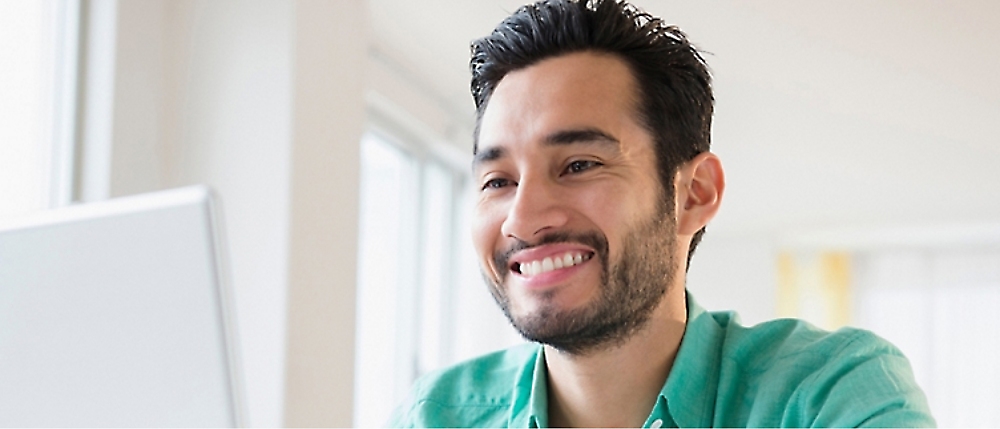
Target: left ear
[{"x": 699, "y": 184}]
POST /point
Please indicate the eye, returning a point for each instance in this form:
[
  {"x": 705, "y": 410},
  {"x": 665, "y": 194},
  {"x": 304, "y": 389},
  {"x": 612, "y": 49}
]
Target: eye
[
  {"x": 496, "y": 184},
  {"x": 581, "y": 166}
]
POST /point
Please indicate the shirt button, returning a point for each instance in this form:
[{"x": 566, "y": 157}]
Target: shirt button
[{"x": 656, "y": 424}]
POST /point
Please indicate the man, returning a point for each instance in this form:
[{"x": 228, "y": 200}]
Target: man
[{"x": 596, "y": 182}]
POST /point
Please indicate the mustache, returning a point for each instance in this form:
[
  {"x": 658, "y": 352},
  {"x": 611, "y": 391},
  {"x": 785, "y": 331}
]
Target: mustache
[{"x": 594, "y": 240}]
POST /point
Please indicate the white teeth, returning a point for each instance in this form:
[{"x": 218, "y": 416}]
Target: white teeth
[{"x": 567, "y": 260}]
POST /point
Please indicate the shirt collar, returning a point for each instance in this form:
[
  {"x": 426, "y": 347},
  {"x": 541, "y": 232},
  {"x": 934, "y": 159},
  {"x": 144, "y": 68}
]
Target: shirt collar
[{"x": 531, "y": 397}]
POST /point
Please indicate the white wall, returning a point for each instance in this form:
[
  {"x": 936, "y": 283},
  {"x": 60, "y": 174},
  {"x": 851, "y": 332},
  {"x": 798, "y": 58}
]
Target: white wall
[
  {"x": 330, "y": 68},
  {"x": 262, "y": 100},
  {"x": 735, "y": 273},
  {"x": 232, "y": 128}
]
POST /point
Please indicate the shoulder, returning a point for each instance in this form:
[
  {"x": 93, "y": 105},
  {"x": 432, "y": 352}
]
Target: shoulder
[
  {"x": 798, "y": 340},
  {"x": 848, "y": 377},
  {"x": 475, "y": 393}
]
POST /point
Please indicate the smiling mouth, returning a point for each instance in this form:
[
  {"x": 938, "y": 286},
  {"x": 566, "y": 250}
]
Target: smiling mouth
[{"x": 566, "y": 260}]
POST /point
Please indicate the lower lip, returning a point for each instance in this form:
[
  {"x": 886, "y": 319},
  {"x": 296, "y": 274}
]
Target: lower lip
[{"x": 550, "y": 278}]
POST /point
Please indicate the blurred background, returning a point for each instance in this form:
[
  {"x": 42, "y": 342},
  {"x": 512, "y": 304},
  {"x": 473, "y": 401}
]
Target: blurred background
[{"x": 860, "y": 141}]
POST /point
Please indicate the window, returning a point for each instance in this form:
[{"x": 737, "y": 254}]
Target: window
[
  {"x": 38, "y": 54},
  {"x": 938, "y": 305},
  {"x": 421, "y": 300},
  {"x": 405, "y": 271},
  {"x": 386, "y": 280}
]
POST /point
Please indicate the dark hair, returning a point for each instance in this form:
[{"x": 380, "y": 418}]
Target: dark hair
[{"x": 675, "y": 91}]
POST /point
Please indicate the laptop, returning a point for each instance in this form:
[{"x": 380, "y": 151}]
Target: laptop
[{"x": 118, "y": 313}]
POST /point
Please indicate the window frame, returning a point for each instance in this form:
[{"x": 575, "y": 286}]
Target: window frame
[{"x": 428, "y": 151}]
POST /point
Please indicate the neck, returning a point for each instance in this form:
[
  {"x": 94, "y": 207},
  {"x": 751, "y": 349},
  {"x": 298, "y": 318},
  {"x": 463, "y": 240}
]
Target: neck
[{"x": 617, "y": 386}]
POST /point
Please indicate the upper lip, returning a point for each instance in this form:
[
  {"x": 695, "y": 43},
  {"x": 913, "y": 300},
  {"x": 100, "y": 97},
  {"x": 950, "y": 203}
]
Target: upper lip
[{"x": 539, "y": 253}]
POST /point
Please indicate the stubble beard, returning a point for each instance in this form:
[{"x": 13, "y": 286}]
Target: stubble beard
[{"x": 630, "y": 289}]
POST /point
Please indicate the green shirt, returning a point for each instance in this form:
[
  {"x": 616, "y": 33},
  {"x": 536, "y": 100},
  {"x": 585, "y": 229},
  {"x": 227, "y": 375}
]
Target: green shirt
[{"x": 783, "y": 373}]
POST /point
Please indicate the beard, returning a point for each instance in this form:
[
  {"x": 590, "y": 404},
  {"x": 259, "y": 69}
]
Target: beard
[{"x": 630, "y": 289}]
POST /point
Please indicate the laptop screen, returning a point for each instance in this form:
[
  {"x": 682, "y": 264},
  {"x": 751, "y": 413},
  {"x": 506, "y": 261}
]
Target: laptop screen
[{"x": 118, "y": 313}]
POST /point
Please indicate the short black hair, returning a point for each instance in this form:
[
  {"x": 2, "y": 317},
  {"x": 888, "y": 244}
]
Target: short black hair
[{"x": 674, "y": 83}]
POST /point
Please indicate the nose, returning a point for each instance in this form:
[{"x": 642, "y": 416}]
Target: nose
[{"x": 537, "y": 208}]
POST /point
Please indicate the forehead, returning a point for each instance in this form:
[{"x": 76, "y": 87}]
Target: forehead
[{"x": 584, "y": 90}]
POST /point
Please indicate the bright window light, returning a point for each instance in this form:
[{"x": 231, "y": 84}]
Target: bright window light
[
  {"x": 38, "y": 58},
  {"x": 27, "y": 52},
  {"x": 386, "y": 279}
]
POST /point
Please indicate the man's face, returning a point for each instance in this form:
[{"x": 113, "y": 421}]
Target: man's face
[{"x": 575, "y": 236}]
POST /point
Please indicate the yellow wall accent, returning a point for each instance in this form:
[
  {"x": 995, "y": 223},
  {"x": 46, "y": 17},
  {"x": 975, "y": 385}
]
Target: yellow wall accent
[
  {"x": 788, "y": 290},
  {"x": 815, "y": 286},
  {"x": 836, "y": 275}
]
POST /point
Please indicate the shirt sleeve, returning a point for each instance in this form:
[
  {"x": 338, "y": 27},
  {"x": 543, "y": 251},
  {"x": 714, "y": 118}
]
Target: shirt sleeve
[{"x": 867, "y": 383}]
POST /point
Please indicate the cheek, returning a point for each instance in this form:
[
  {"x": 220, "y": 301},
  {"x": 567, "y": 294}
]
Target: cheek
[
  {"x": 615, "y": 210},
  {"x": 605, "y": 207},
  {"x": 485, "y": 233}
]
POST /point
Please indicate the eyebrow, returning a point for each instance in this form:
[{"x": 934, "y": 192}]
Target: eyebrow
[
  {"x": 558, "y": 138},
  {"x": 488, "y": 155},
  {"x": 586, "y": 135}
]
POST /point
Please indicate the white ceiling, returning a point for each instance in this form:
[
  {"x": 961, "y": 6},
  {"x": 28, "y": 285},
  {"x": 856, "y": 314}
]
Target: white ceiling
[{"x": 830, "y": 114}]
